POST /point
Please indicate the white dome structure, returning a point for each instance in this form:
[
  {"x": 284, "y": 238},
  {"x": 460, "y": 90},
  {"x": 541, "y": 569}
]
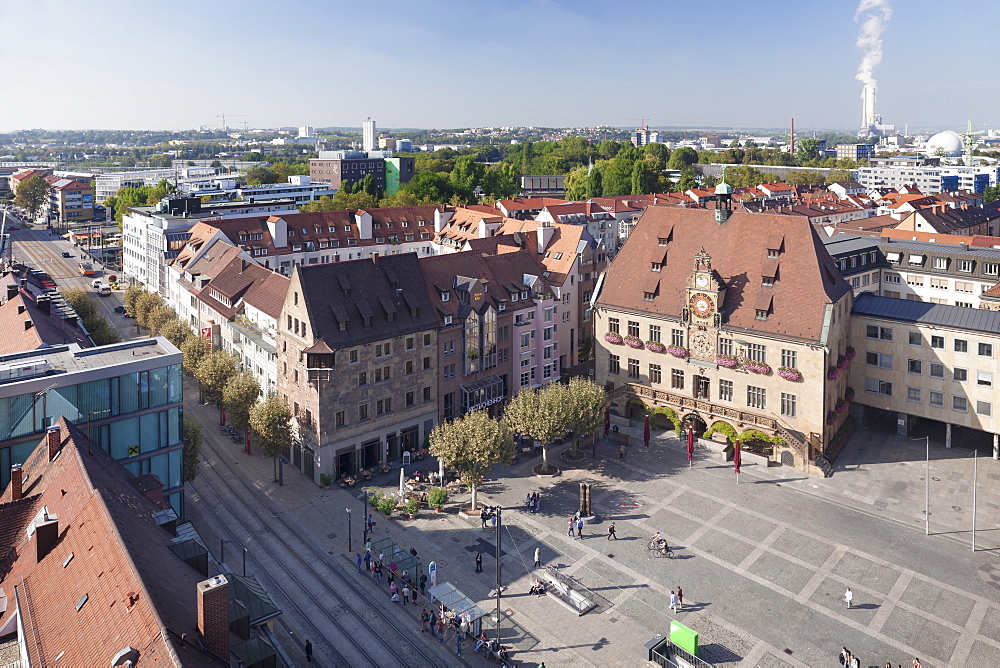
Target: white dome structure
[{"x": 945, "y": 143}]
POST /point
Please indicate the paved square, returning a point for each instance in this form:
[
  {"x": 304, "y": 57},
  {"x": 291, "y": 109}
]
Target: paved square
[
  {"x": 749, "y": 526},
  {"x": 944, "y": 603},
  {"x": 781, "y": 572},
  {"x": 924, "y": 635},
  {"x": 830, "y": 595},
  {"x": 695, "y": 505},
  {"x": 794, "y": 544},
  {"x": 865, "y": 573},
  {"x": 727, "y": 548}
]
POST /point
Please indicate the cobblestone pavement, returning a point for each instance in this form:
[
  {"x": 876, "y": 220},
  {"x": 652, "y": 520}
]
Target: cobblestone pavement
[{"x": 764, "y": 564}]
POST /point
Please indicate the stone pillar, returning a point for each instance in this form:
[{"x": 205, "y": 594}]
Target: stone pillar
[
  {"x": 996, "y": 446},
  {"x": 947, "y": 434}
]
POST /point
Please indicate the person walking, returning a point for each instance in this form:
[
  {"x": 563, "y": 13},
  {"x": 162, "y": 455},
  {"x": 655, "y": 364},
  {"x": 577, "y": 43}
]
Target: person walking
[
  {"x": 359, "y": 563},
  {"x": 378, "y": 571},
  {"x": 493, "y": 520},
  {"x": 849, "y": 596},
  {"x": 621, "y": 452},
  {"x": 309, "y": 651},
  {"x": 390, "y": 579},
  {"x": 680, "y": 598},
  {"x": 917, "y": 664},
  {"x": 538, "y": 500},
  {"x": 392, "y": 589},
  {"x": 572, "y": 527},
  {"x": 579, "y": 528},
  {"x": 538, "y": 557},
  {"x": 406, "y": 594},
  {"x": 611, "y": 532},
  {"x": 458, "y": 643},
  {"x": 483, "y": 516},
  {"x": 844, "y": 656},
  {"x": 423, "y": 620},
  {"x": 423, "y": 583},
  {"x": 479, "y": 562},
  {"x": 441, "y": 624},
  {"x": 368, "y": 560},
  {"x": 432, "y": 623},
  {"x": 673, "y": 601}
]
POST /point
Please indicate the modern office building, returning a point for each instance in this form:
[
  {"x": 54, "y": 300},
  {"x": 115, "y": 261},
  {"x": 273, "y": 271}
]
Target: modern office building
[
  {"x": 926, "y": 173},
  {"x": 107, "y": 185},
  {"x": 345, "y": 168},
  {"x": 368, "y": 135},
  {"x": 70, "y": 201},
  {"x": 127, "y": 396}
]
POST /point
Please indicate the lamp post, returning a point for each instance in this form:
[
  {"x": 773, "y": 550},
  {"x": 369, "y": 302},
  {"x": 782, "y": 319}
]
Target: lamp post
[
  {"x": 348, "y": 529},
  {"x": 975, "y": 476},
  {"x": 927, "y": 490},
  {"x": 499, "y": 525}
]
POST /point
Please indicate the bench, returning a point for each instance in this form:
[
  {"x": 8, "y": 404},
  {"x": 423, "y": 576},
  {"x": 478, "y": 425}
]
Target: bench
[{"x": 578, "y": 601}]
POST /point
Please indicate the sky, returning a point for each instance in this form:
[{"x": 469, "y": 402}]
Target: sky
[{"x": 459, "y": 63}]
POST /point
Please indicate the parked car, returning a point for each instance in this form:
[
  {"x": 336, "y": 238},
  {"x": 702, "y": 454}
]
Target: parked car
[
  {"x": 119, "y": 309},
  {"x": 67, "y": 254},
  {"x": 128, "y": 315}
]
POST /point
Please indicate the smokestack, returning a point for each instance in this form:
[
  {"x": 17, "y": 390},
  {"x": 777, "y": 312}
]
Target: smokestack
[
  {"x": 16, "y": 482},
  {"x": 791, "y": 149},
  {"x": 213, "y": 615},
  {"x": 11, "y": 291},
  {"x": 53, "y": 436},
  {"x": 874, "y": 15}
]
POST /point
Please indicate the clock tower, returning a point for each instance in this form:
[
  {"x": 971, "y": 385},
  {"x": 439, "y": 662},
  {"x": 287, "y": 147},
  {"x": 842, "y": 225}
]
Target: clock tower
[{"x": 703, "y": 309}]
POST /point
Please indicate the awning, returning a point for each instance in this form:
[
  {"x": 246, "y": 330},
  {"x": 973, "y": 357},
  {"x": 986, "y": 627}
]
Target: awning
[
  {"x": 892, "y": 257},
  {"x": 482, "y": 393},
  {"x": 916, "y": 259},
  {"x": 456, "y": 601}
]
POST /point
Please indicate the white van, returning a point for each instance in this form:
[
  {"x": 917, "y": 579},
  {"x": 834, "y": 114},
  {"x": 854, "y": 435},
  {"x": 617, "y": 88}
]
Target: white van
[{"x": 96, "y": 283}]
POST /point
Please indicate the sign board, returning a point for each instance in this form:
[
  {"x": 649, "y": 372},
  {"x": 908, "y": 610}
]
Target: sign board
[
  {"x": 206, "y": 332},
  {"x": 133, "y": 450},
  {"x": 432, "y": 574},
  {"x": 684, "y": 638}
]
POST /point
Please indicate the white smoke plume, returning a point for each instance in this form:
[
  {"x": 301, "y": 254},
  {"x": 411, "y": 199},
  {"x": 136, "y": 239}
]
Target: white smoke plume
[{"x": 874, "y": 14}]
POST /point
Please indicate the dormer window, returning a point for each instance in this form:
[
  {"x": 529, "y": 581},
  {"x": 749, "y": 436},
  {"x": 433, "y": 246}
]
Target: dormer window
[
  {"x": 648, "y": 296},
  {"x": 304, "y": 232},
  {"x": 447, "y": 320},
  {"x": 376, "y": 226},
  {"x": 558, "y": 256},
  {"x": 445, "y": 295},
  {"x": 291, "y": 231},
  {"x": 524, "y": 294},
  {"x": 343, "y": 328},
  {"x": 767, "y": 281},
  {"x": 656, "y": 266},
  {"x": 772, "y": 252},
  {"x": 368, "y": 321},
  {"x": 514, "y": 297},
  {"x": 331, "y": 229},
  {"x": 347, "y": 228},
  {"x": 761, "y": 314},
  {"x": 502, "y": 306},
  {"x": 661, "y": 241}
]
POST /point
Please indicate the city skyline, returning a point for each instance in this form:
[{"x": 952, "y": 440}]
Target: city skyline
[{"x": 526, "y": 63}]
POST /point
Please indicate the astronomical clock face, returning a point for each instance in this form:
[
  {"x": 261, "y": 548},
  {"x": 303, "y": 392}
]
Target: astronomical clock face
[
  {"x": 701, "y": 280},
  {"x": 702, "y": 344},
  {"x": 701, "y": 304}
]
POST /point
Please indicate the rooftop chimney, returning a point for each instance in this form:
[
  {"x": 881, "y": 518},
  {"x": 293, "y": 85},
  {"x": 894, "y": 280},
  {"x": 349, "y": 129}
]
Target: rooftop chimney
[
  {"x": 43, "y": 304},
  {"x": 213, "y": 615},
  {"x": 16, "y": 482},
  {"x": 375, "y": 258},
  {"x": 27, "y": 325},
  {"x": 53, "y": 436},
  {"x": 20, "y": 309},
  {"x": 45, "y": 536},
  {"x": 11, "y": 291}
]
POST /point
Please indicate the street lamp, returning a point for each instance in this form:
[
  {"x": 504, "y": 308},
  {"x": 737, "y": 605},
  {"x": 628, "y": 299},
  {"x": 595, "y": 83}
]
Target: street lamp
[
  {"x": 927, "y": 487},
  {"x": 348, "y": 529},
  {"x": 975, "y": 476}
]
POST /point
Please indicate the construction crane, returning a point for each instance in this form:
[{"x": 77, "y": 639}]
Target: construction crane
[
  {"x": 968, "y": 142},
  {"x": 642, "y": 120},
  {"x": 225, "y": 128}
]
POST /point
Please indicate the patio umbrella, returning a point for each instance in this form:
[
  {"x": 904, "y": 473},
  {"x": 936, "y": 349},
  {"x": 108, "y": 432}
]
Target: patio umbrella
[
  {"x": 607, "y": 421},
  {"x": 402, "y": 479},
  {"x": 736, "y": 460},
  {"x": 691, "y": 445},
  {"x": 645, "y": 433}
]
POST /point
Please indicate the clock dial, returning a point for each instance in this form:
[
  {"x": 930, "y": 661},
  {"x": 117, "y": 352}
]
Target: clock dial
[
  {"x": 702, "y": 344},
  {"x": 701, "y": 304},
  {"x": 701, "y": 281}
]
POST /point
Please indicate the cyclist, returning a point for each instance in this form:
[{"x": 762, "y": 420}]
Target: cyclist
[
  {"x": 658, "y": 540},
  {"x": 665, "y": 550}
]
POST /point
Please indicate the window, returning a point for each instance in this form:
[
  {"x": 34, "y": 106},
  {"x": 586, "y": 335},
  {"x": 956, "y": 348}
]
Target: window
[
  {"x": 648, "y": 296},
  {"x": 788, "y": 404},
  {"x": 915, "y": 338},
  {"x": 677, "y": 337},
  {"x": 353, "y": 356},
  {"x": 965, "y": 286},
  {"x": 427, "y": 362},
  {"x": 991, "y": 268},
  {"x": 761, "y": 314},
  {"x": 427, "y": 394},
  {"x": 891, "y": 278},
  {"x": 959, "y": 403},
  {"x": 767, "y": 281},
  {"x": 525, "y": 376},
  {"x": 878, "y": 386},
  {"x": 525, "y": 339},
  {"x": 963, "y": 304},
  {"x": 654, "y": 333},
  {"x": 449, "y": 348},
  {"x": 914, "y": 366},
  {"x": 789, "y": 358},
  {"x": 363, "y": 412},
  {"x": 876, "y": 332},
  {"x": 677, "y": 379},
  {"x": 378, "y": 376},
  {"x": 339, "y": 417},
  {"x": 937, "y": 370},
  {"x": 363, "y": 378},
  {"x": 409, "y": 366},
  {"x": 725, "y": 346},
  {"x": 756, "y": 397},
  {"x": 916, "y": 260},
  {"x": 661, "y": 241},
  {"x": 756, "y": 352},
  {"x": 939, "y": 284},
  {"x": 725, "y": 390},
  {"x": 613, "y": 325},
  {"x": 961, "y": 346},
  {"x": 986, "y": 350},
  {"x": 409, "y": 343},
  {"x": 984, "y": 408},
  {"x": 409, "y": 399},
  {"x": 960, "y": 375},
  {"x": 614, "y": 364},
  {"x": 655, "y": 375},
  {"x": 633, "y": 328},
  {"x": 935, "y": 398},
  {"x": 633, "y": 368},
  {"x": 656, "y": 266},
  {"x": 940, "y": 263},
  {"x": 879, "y": 360},
  {"x": 984, "y": 378},
  {"x": 965, "y": 266},
  {"x": 937, "y": 342},
  {"x": 383, "y": 406}
]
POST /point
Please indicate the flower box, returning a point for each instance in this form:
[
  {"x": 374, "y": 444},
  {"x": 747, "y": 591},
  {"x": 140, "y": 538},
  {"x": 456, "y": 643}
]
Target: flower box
[
  {"x": 756, "y": 367},
  {"x": 727, "y": 361},
  {"x": 831, "y": 417},
  {"x": 788, "y": 373},
  {"x": 655, "y": 346},
  {"x": 841, "y": 406},
  {"x": 842, "y": 362},
  {"x": 613, "y": 337},
  {"x": 849, "y": 394},
  {"x": 850, "y": 353},
  {"x": 832, "y": 373},
  {"x": 633, "y": 341},
  {"x": 677, "y": 351}
]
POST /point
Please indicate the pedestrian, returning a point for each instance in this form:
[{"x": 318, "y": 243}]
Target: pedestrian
[
  {"x": 483, "y": 516},
  {"x": 359, "y": 563},
  {"x": 432, "y": 622},
  {"x": 413, "y": 551},
  {"x": 392, "y": 589},
  {"x": 673, "y": 601},
  {"x": 538, "y": 498},
  {"x": 390, "y": 579},
  {"x": 621, "y": 452},
  {"x": 481, "y": 641},
  {"x": 493, "y": 520},
  {"x": 529, "y": 500},
  {"x": 579, "y": 528},
  {"x": 572, "y": 527},
  {"x": 458, "y": 644},
  {"x": 538, "y": 557},
  {"x": 423, "y": 582},
  {"x": 917, "y": 664},
  {"x": 441, "y": 624},
  {"x": 856, "y": 663},
  {"x": 843, "y": 656},
  {"x": 680, "y": 598},
  {"x": 423, "y": 620},
  {"x": 368, "y": 561},
  {"x": 309, "y": 651},
  {"x": 479, "y": 562},
  {"x": 849, "y": 596},
  {"x": 378, "y": 571},
  {"x": 611, "y": 532},
  {"x": 406, "y": 594}
]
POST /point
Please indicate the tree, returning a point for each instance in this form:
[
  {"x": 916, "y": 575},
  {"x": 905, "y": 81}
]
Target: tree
[
  {"x": 271, "y": 421},
  {"x": 595, "y": 183},
  {"x": 194, "y": 350},
  {"x": 192, "y": 449},
  {"x": 682, "y": 157},
  {"x": 501, "y": 181},
  {"x": 576, "y": 184},
  {"x": 808, "y": 149},
  {"x": 992, "y": 193},
  {"x": 587, "y": 402},
  {"x": 160, "y": 161},
  {"x": 258, "y": 174},
  {"x": 214, "y": 372},
  {"x": 641, "y": 178},
  {"x": 176, "y": 332},
  {"x": 239, "y": 395},
  {"x": 840, "y": 176},
  {"x": 159, "y": 316},
  {"x": 32, "y": 194},
  {"x": 472, "y": 444},
  {"x": 144, "y": 305},
  {"x": 435, "y": 187},
  {"x": 131, "y": 296},
  {"x": 101, "y": 331},
  {"x": 542, "y": 414}
]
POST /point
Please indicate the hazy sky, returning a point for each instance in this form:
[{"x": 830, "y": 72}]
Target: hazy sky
[{"x": 450, "y": 63}]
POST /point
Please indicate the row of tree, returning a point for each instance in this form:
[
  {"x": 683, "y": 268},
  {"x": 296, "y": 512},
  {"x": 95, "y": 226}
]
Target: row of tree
[
  {"x": 221, "y": 378},
  {"x": 475, "y": 442},
  {"x": 101, "y": 331}
]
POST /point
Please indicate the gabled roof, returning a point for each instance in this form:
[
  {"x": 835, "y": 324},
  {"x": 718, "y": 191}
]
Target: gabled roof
[
  {"x": 24, "y": 326},
  {"x": 808, "y": 279}
]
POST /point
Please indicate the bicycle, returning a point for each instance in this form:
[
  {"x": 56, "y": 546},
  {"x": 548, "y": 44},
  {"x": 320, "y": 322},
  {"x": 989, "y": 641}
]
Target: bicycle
[
  {"x": 664, "y": 552},
  {"x": 655, "y": 544}
]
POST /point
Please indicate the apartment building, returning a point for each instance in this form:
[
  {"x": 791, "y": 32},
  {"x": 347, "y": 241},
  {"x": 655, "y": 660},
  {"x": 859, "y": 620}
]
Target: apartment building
[
  {"x": 299, "y": 189},
  {"x": 108, "y": 184},
  {"x": 926, "y": 173},
  {"x": 938, "y": 273},
  {"x": 346, "y": 168},
  {"x": 860, "y": 260},
  {"x": 357, "y": 350},
  {"x": 70, "y": 201},
  {"x": 924, "y": 361},
  {"x": 748, "y": 337}
]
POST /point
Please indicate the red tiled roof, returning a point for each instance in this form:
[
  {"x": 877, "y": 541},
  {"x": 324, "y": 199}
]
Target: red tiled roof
[{"x": 44, "y": 328}]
